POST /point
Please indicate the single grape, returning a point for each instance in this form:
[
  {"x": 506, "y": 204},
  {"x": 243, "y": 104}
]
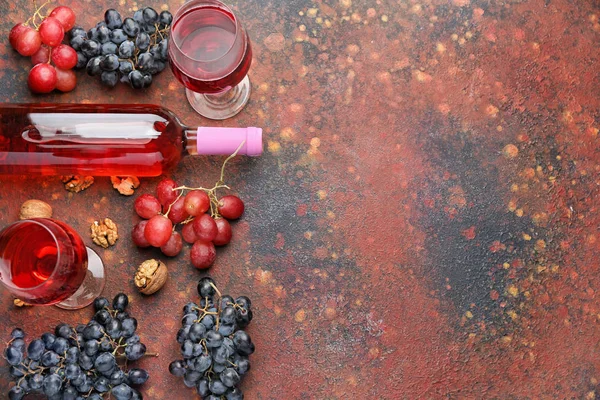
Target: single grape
[
  {"x": 13, "y": 355},
  {"x": 147, "y": 80},
  {"x": 125, "y": 67},
  {"x": 77, "y": 31},
  {"x": 122, "y": 392},
  {"x": 205, "y": 228},
  {"x": 109, "y": 48},
  {"x": 17, "y": 333},
  {"x": 126, "y": 49},
  {"x": 217, "y": 387},
  {"x": 117, "y": 377},
  {"x": 231, "y": 207},
  {"x": 135, "y": 351},
  {"x": 52, "y": 385},
  {"x": 203, "y": 254},
  {"x": 206, "y": 287},
  {"x": 28, "y": 41},
  {"x": 178, "y": 213},
  {"x": 130, "y": 27},
  {"x": 243, "y": 301},
  {"x": 72, "y": 371},
  {"x": 109, "y": 62},
  {"x": 102, "y": 34},
  {"x": 187, "y": 349},
  {"x": 138, "y": 17},
  {"x": 145, "y": 61},
  {"x": 173, "y": 245},
  {"x": 229, "y": 377},
  {"x": 202, "y": 388},
  {"x": 105, "y": 362},
  {"x": 158, "y": 230},
  {"x": 161, "y": 50},
  {"x": 213, "y": 339},
  {"x": 15, "y": 32},
  {"x": 157, "y": 67},
  {"x": 63, "y": 331},
  {"x": 117, "y": 36},
  {"x": 165, "y": 193},
  {"x": 243, "y": 343},
  {"x": 165, "y": 18},
  {"x": 76, "y": 42},
  {"x": 128, "y": 327},
  {"x": 64, "y": 57},
  {"x": 72, "y": 355},
  {"x": 224, "y": 232},
  {"x": 177, "y": 368},
  {"x": 234, "y": 394},
  {"x": 101, "y": 303},
  {"x": 48, "y": 340},
  {"x": 16, "y": 372},
  {"x": 41, "y": 56},
  {"x": 188, "y": 233},
  {"x": 120, "y": 302},
  {"x": 196, "y": 202},
  {"x": 65, "y": 16},
  {"x": 16, "y": 393},
  {"x": 51, "y": 31},
  {"x": 36, "y": 381},
  {"x": 138, "y": 236},
  {"x": 113, "y": 19},
  {"x": 66, "y": 80},
  {"x": 142, "y": 41},
  {"x": 137, "y": 376},
  {"x": 90, "y": 48},
  {"x": 81, "y": 60},
  {"x": 147, "y": 206},
  {"x": 102, "y": 384},
  {"x": 42, "y": 78},
  {"x": 60, "y": 346},
  {"x": 150, "y": 16},
  {"x": 136, "y": 79},
  {"x": 93, "y": 330},
  {"x": 93, "y": 66}
]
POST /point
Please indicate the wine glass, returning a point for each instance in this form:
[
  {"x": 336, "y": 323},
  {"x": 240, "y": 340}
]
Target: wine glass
[
  {"x": 210, "y": 53},
  {"x": 44, "y": 261}
]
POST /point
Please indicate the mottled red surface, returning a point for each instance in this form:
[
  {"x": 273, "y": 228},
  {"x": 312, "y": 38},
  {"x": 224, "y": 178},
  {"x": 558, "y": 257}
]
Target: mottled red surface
[{"x": 422, "y": 223}]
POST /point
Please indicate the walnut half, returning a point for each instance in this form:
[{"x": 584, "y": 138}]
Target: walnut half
[
  {"x": 77, "y": 183},
  {"x": 104, "y": 233},
  {"x": 151, "y": 275},
  {"x": 125, "y": 184}
]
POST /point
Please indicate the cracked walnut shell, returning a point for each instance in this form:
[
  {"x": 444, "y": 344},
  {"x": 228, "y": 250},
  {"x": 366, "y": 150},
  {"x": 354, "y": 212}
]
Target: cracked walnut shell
[
  {"x": 104, "y": 233},
  {"x": 151, "y": 275}
]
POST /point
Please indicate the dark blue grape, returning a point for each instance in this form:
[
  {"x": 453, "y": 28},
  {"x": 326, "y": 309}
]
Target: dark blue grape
[
  {"x": 103, "y": 34},
  {"x": 135, "y": 351},
  {"x": 69, "y": 393},
  {"x": 102, "y": 384},
  {"x": 16, "y": 372},
  {"x": 93, "y": 329},
  {"x": 109, "y": 62},
  {"x": 48, "y": 340},
  {"x": 243, "y": 302},
  {"x": 149, "y": 29},
  {"x": 125, "y": 67},
  {"x": 147, "y": 80},
  {"x": 60, "y": 346},
  {"x": 228, "y": 315},
  {"x": 113, "y": 328},
  {"x": 243, "y": 343},
  {"x": 189, "y": 319},
  {"x": 137, "y": 376},
  {"x": 102, "y": 316},
  {"x": 202, "y": 363},
  {"x": 101, "y": 303},
  {"x": 86, "y": 362},
  {"x": 206, "y": 287},
  {"x": 132, "y": 339},
  {"x": 100, "y": 23},
  {"x": 138, "y": 17},
  {"x": 76, "y": 42},
  {"x": 72, "y": 355},
  {"x": 81, "y": 60},
  {"x": 218, "y": 368},
  {"x": 191, "y": 378},
  {"x": 18, "y": 344},
  {"x": 198, "y": 349},
  {"x": 105, "y": 345},
  {"x": 136, "y": 79},
  {"x": 128, "y": 327},
  {"x": 242, "y": 365},
  {"x": 126, "y": 49},
  {"x": 79, "y": 328},
  {"x": 77, "y": 31},
  {"x": 121, "y": 392},
  {"x": 150, "y": 16},
  {"x": 187, "y": 349},
  {"x": 72, "y": 371},
  {"x": 50, "y": 359},
  {"x": 86, "y": 385},
  {"x": 105, "y": 362},
  {"x": 109, "y": 48},
  {"x": 36, "y": 381},
  {"x": 202, "y": 388},
  {"x": 52, "y": 385},
  {"x": 145, "y": 61},
  {"x": 91, "y": 347},
  {"x": 208, "y": 321},
  {"x": 93, "y": 33},
  {"x": 16, "y": 393},
  {"x": 213, "y": 339},
  {"x": 131, "y": 28},
  {"x": 226, "y": 330},
  {"x": 230, "y": 377},
  {"x": 17, "y": 333},
  {"x": 90, "y": 48},
  {"x": 117, "y": 377},
  {"x": 121, "y": 315},
  {"x": 197, "y": 332},
  {"x": 64, "y": 331},
  {"x": 165, "y": 18},
  {"x": 177, "y": 368},
  {"x": 220, "y": 354},
  {"x": 234, "y": 394},
  {"x": 217, "y": 387},
  {"x": 162, "y": 50},
  {"x": 109, "y": 78},
  {"x": 190, "y": 308},
  {"x": 183, "y": 334},
  {"x": 136, "y": 395},
  {"x": 226, "y": 301},
  {"x": 142, "y": 41},
  {"x": 113, "y": 19},
  {"x": 117, "y": 37}
]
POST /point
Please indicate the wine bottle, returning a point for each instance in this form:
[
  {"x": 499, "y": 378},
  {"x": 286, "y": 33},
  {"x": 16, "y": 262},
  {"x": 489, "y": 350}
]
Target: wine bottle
[{"x": 108, "y": 139}]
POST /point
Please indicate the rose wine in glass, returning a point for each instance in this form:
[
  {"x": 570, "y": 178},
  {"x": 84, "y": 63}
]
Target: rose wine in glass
[
  {"x": 210, "y": 53},
  {"x": 44, "y": 261}
]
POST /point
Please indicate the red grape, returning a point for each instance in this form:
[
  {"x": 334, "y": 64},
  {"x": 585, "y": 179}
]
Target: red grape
[
  {"x": 66, "y": 80},
  {"x": 137, "y": 234},
  {"x": 158, "y": 230},
  {"x": 15, "y": 32},
  {"x": 28, "y": 42},
  {"x": 42, "y": 78},
  {"x": 173, "y": 245},
  {"x": 196, "y": 202},
  {"x": 205, "y": 228},
  {"x": 165, "y": 193},
  {"x": 203, "y": 254},
  {"x": 223, "y": 232},
  {"x": 231, "y": 207},
  {"x": 65, "y": 16},
  {"x": 188, "y": 232},
  {"x": 64, "y": 57},
  {"x": 51, "y": 31},
  {"x": 146, "y": 206},
  {"x": 178, "y": 213},
  {"x": 41, "y": 56}
]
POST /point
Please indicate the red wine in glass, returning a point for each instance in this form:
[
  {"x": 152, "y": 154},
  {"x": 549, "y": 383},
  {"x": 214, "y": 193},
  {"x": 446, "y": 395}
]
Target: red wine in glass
[
  {"x": 210, "y": 53},
  {"x": 44, "y": 261}
]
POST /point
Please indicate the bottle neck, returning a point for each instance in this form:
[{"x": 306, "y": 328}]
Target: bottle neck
[{"x": 190, "y": 142}]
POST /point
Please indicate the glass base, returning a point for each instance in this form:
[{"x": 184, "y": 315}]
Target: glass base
[
  {"x": 222, "y": 105},
  {"x": 92, "y": 285}
]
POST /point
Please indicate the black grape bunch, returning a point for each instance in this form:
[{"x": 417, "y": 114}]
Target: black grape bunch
[
  {"x": 129, "y": 50},
  {"x": 214, "y": 345},
  {"x": 85, "y": 362}
]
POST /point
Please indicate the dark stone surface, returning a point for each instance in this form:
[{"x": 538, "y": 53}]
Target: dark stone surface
[{"x": 422, "y": 223}]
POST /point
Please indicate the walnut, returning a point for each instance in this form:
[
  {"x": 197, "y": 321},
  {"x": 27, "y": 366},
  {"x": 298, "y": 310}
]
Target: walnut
[
  {"x": 21, "y": 303},
  {"x": 77, "y": 183},
  {"x": 35, "y": 209},
  {"x": 104, "y": 233},
  {"x": 151, "y": 275},
  {"x": 125, "y": 184}
]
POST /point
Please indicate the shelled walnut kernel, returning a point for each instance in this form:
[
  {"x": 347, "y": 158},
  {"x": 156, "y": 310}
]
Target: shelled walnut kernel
[
  {"x": 151, "y": 275},
  {"x": 104, "y": 233}
]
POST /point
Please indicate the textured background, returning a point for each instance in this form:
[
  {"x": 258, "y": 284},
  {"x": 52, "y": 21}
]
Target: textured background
[{"x": 422, "y": 223}]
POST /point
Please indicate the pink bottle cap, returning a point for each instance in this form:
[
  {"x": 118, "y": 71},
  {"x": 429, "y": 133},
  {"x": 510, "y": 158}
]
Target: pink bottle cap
[{"x": 217, "y": 141}]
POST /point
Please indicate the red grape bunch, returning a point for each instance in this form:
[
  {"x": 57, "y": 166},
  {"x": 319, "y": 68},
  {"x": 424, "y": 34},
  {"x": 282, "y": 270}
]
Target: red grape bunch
[
  {"x": 203, "y": 215},
  {"x": 52, "y": 60}
]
